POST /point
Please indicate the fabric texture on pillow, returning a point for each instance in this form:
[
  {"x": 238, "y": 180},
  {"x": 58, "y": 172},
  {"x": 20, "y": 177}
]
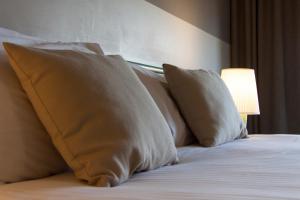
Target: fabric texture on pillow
[
  {"x": 101, "y": 118},
  {"x": 26, "y": 150},
  {"x": 158, "y": 88},
  {"x": 206, "y": 105}
]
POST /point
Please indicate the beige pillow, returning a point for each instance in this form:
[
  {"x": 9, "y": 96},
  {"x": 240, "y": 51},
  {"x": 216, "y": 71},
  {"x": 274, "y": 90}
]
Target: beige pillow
[
  {"x": 26, "y": 150},
  {"x": 157, "y": 87},
  {"x": 98, "y": 114},
  {"x": 206, "y": 104}
]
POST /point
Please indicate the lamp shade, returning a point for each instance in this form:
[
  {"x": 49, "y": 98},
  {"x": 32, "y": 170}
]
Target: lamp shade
[{"x": 242, "y": 86}]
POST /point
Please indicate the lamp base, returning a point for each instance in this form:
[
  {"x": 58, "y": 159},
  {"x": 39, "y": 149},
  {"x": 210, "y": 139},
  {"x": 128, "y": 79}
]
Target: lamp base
[{"x": 244, "y": 118}]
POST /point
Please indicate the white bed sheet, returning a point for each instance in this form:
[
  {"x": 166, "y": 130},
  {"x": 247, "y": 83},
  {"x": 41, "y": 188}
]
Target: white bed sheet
[{"x": 260, "y": 167}]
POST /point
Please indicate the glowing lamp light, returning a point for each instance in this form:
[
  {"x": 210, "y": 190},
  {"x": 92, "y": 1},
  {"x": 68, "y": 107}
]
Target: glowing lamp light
[{"x": 242, "y": 86}]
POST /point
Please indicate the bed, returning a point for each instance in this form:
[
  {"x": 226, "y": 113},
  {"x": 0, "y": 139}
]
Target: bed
[{"x": 259, "y": 167}]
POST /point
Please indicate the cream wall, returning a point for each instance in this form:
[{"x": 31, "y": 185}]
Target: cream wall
[{"x": 136, "y": 29}]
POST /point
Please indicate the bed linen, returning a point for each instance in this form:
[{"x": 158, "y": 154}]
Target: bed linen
[{"x": 259, "y": 167}]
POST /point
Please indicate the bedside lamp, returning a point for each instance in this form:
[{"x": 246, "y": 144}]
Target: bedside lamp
[{"x": 242, "y": 86}]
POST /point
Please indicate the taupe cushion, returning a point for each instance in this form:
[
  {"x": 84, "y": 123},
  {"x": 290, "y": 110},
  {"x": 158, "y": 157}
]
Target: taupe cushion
[
  {"x": 158, "y": 89},
  {"x": 26, "y": 150},
  {"x": 98, "y": 114},
  {"x": 206, "y": 105}
]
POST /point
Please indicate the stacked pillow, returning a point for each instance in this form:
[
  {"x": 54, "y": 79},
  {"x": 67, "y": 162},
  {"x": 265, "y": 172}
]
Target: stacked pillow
[
  {"x": 100, "y": 117},
  {"x": 107, "y": 119},
  {"x": 26, "y": 150},
  {"x": 158, "y": 88},
  {"x": 105, "y": 127},
  {"x": 206, "y": 104}
]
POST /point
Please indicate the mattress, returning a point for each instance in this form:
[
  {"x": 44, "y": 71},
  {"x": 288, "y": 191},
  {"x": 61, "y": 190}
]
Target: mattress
[{"x": 259, "y": 167}]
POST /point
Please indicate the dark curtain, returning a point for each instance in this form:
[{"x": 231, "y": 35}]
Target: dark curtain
[{"x": 265, "y": 35}]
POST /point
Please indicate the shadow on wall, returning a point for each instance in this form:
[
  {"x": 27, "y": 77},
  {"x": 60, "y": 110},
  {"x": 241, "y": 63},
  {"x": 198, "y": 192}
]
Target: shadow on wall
[
  {"x": 212, "y": 16},
  {"x": 136, "y": 29}
]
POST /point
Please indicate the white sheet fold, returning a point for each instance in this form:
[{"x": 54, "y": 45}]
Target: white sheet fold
[{"x": 261, "y": 167}]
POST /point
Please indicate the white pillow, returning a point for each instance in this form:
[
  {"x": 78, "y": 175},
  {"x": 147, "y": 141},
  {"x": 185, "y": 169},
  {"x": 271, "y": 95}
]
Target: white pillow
[
  {"x": 7, "y": 35},
  {"x": 4, "y": 32}
]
